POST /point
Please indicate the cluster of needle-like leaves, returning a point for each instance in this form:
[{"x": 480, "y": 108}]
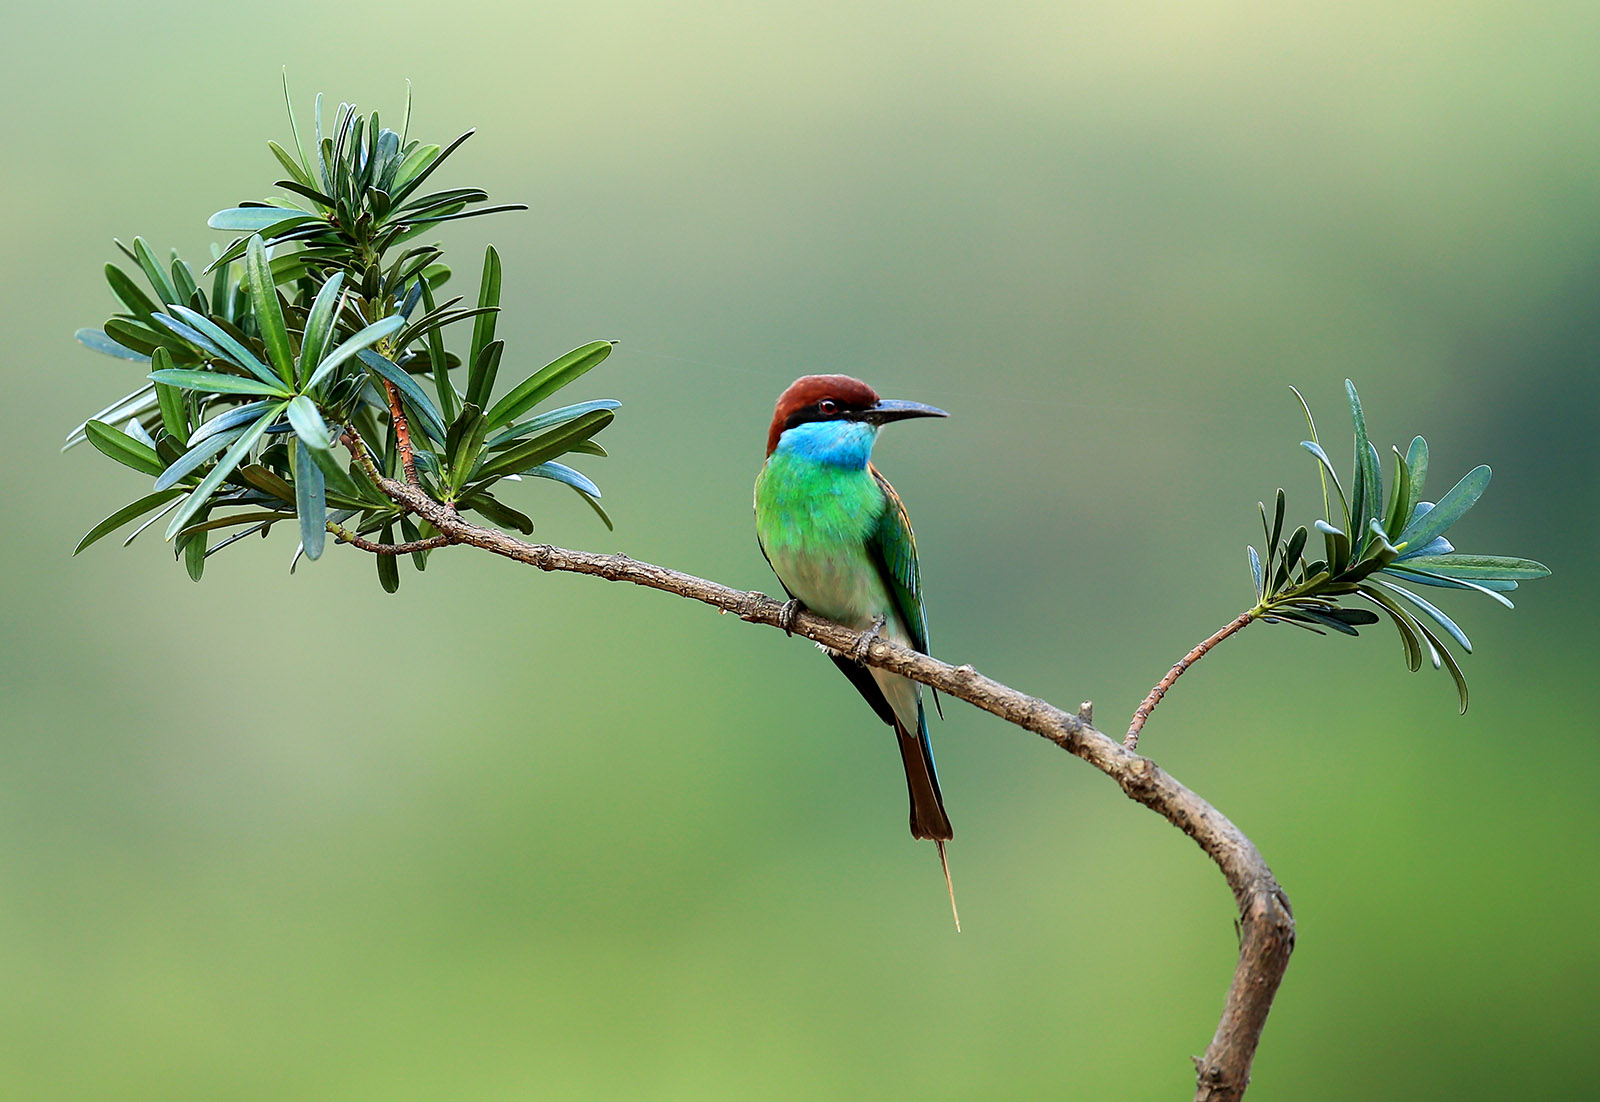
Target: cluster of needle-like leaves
[
  {"x": 270, "y": 398},
  {"x": 1375, "y": 543}
]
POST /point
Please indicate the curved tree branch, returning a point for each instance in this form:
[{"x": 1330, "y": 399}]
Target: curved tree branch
[{"x": 1266, "y": 923}]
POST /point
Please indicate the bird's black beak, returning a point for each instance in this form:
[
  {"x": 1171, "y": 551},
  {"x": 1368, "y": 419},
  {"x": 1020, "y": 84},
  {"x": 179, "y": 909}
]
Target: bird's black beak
[{"x": 890, "y": 409}]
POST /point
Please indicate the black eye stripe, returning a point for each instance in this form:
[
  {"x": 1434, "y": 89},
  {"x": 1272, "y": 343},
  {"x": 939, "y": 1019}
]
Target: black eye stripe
[{"x": 825, "y": 409}]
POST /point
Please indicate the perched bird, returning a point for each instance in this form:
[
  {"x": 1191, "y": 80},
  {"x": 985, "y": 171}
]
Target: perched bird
[{"x": 840, "y": 541}]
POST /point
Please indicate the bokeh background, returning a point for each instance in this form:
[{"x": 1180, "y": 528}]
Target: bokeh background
[{"x": 509, "y": 835}]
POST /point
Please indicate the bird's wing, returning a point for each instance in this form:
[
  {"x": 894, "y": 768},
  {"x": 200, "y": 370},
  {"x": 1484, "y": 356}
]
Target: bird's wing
[
  {"x": 859, "y": 675},
  {"x": 894, "y": 549}
]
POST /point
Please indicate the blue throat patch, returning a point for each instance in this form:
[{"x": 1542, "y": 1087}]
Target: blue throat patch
[{"x": 837, "y": 443}]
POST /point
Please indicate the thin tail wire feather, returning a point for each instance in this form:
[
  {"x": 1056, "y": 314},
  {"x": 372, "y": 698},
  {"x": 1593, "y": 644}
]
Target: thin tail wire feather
[{"x": 945, "y": 864}]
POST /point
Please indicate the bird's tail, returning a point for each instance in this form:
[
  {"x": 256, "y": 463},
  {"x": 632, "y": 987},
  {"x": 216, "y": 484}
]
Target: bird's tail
[{"x": 928, "y": 819}]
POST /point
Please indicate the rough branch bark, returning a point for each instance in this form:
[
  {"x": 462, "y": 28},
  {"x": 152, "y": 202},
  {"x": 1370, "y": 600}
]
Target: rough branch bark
[{"x": 1266, "y": 923}]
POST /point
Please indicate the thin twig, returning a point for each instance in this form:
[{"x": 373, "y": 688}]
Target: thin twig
[
  {"x": 1130, "y": 741},
  {"x": 1266, "y": 922},
  {"x": 344, "y": 535},
  {"x": 363, "y": 457},
  {"x": 402, "y": 432}
]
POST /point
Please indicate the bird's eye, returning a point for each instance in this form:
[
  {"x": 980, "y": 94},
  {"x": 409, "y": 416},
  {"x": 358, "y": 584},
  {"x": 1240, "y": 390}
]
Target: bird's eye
[{"x": 827, "y": 405}]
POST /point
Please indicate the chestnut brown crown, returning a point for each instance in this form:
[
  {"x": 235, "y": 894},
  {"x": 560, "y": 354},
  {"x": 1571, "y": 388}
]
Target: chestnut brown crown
[{"x": 818, "y": 398}]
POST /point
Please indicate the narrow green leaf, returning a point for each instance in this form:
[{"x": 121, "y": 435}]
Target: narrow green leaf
[
  {"x": 499, "y": 512},
  {"x": 449, "y": 401},
  {"x": 1337, "y": 545},
  {"x": 159, "y": 282},
  {"x": 227, "y": 343},
  {"x": 255, "y": 516},
  {"x": 258, "y": 477},
  {"x": 97, "y": 340},
  {"x": 1440, "y": 651},
  {"x": 1480, "y": 567},
  {"x": 142, "y": 340},
  {"x": 553, "y": 417},
  {"x": 229, "y": 418},
  {"x": 1372, "y": 501},
  {"x": 216, "y": 382},
  {"x": 1438, "y": 616},
  {"x": 1327, "y": 508},
  {"x": 201, "y": 453},
  {"x": 1291, "y": 555},
  {"x": 308, "y": 424},
  {"x": 547, "y": 380},
  {"x": 294, "y": 127},
  {"x": 136, "y": 404},
  {"x": 1402, "y": 624},
  {"x": 560, "y": 472},
  {"x": 309, "y": 501},
  {"x": 463, "y": 443},
  {"x": 1255, "y": 571},
  {"x": 1367, "y": 488},
  {"x": 267, "y": 309},
  {"x": 296, "y": 173},
  {"x": 1328, "y": 472},
  {"x": 1295, "y": 618},
  {"x": 194, "y": 338},
  {"x": 319, "y": 325},
  {"x": 225, "y": 466},
  {"x": 194, "y": 555},
  {"x": 1494, "y": 588},
  {"x": 129, "y": 293},
  {"x": 258, "y": 219},
  {"x": 1450, "y": 509},
  {"x": 369, "y": 336},
  {"x": 432, "y": 220},
  {"x": 174, "y": 410},
  {"x": 481, "y": 372},
  {"x": 388, "y": 569},
  {"x": 123, "y": 516},
  {"x": 450, "y": 197},
  {"x": 1398, "y": 513},
  {"x": 1491, "y": 585},
  {"x": 413, "y": 163},
  {"x": 183, "y": 280},
  {"x": 1417, "y": 461},
  {"x": 123, "y": 448},
  {"x": 431, "y": 423},
  {"x": 405, "y": 187},
  {"x": 599, "y": 511},
  {"x": 546, "y": 446}
]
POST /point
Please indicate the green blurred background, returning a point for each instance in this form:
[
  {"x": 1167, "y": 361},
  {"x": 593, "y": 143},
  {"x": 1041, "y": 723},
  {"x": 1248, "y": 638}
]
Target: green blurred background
[{"x": 510, "y": 835}]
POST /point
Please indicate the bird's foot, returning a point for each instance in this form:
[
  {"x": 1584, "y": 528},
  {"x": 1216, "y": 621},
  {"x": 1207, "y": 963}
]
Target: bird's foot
[
  {"x": 787, "y": 613},
  {"x": 864, "y": 644}
]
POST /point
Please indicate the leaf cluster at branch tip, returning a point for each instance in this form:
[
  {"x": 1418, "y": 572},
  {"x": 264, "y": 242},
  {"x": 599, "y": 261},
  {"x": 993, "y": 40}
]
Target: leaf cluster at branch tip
[
  {"x": 271, "y": 369},
  {"x": 1371, "y": 544}
]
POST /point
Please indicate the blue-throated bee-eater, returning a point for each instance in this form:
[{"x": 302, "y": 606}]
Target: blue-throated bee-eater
[{"x": 840, "y": 541}]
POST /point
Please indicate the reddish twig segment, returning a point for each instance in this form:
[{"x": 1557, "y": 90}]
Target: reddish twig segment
[
  {"x": 1130, "y": 741},
  {"x": 1266, "y": 923},
  {"x": 402, "y": 433}
]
